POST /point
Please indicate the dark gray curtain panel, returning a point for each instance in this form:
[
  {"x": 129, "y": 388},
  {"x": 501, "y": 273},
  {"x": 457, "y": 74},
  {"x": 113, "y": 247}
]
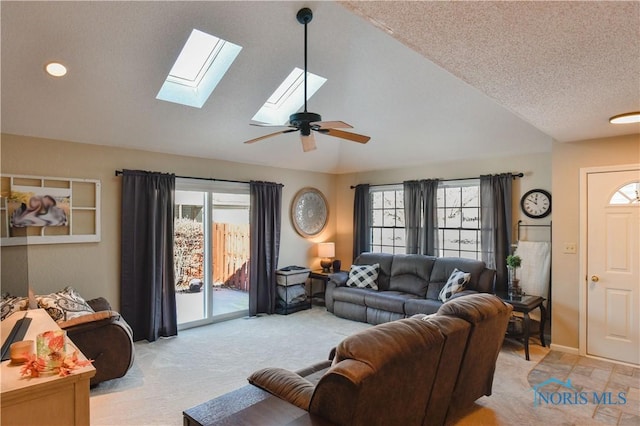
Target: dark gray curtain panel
[
  {"x": 265, "y": 216},
  {"x": 420, "y": 216},
  {"x": 361, "y": 220},
  {"x": 147, "y": 282},
  {"x": 412, "y": 215},
  {"x": 495, "y": 218}
]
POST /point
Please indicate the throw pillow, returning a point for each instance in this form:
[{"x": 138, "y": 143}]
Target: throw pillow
[
  {"x": 456, "y": 282},
  {"x": 96, "y": 316},
  {"x": 11, "y": 304},
  {"x": 64, "y": 305},
  {"x": 363, "y": 276}
]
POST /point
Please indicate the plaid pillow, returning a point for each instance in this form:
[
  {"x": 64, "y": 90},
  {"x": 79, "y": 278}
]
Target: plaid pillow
[
  {"x": 363, "y": 276},
  {"x": 456, "y": 282}
]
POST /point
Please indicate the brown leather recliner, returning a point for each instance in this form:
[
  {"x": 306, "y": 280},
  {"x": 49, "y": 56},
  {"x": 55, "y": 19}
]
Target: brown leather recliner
[
  {"x": 412, "y": 371},
  {"x": 383, "y": 375},
  {"x": 105, "y": 337},
  {"x": 489, "y": 317}
]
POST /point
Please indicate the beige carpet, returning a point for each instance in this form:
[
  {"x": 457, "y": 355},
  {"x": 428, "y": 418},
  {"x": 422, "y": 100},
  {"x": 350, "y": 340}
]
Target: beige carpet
[{"x": 172, "y": 375}]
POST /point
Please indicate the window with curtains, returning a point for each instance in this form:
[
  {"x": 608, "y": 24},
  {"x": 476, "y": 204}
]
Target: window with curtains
[
  {"x": 458, "y": 207},
  {"x": 387, "y": 219}
]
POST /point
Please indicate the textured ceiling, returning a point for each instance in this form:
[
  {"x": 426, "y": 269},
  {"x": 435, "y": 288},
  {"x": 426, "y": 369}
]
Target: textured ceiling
[
  {"x": 428, "y": 81},
  {"x": 564, "y": 67}
]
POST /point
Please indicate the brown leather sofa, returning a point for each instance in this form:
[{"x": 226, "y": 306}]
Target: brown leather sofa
[
  {"x": 105, "y": 337},
  {"x": 413, "y": 371}
]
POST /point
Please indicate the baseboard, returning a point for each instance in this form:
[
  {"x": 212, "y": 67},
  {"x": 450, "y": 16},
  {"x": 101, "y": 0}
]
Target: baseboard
[{"x": 565, "y": 349}]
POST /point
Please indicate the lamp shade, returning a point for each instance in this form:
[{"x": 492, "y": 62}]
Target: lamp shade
[{"x": 326, "y": 250}]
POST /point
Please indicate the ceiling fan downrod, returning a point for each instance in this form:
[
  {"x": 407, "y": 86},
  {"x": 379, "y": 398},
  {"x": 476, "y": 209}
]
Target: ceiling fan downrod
[
  {"x": 302, "y": 120},
  {"x": 308, "y": 122},
  {"x": 304, "y": 16}
]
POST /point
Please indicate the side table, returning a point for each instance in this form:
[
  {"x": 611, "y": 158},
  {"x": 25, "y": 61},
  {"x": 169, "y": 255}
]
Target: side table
[
  {"x": 526, "y": 304},
  {"x": 321, "y": 276},
  {"x": 49, "y": 399}
]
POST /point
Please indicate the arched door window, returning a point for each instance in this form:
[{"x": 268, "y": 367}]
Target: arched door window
[{"x": 627, "y": 194}]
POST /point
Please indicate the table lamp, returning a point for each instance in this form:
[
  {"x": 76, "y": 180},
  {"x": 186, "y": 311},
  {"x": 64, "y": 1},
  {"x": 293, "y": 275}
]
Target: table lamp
[{"x": 326, "y": 251}]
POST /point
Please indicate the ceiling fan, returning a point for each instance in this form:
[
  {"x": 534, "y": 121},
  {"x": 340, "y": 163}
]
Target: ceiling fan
[{"x": 305, "y": 121}]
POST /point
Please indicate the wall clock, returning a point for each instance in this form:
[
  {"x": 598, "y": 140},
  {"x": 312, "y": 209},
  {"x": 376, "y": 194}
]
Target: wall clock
[
  {"x": 309, "y": 212},
  {"x": 536, "y": 203}
]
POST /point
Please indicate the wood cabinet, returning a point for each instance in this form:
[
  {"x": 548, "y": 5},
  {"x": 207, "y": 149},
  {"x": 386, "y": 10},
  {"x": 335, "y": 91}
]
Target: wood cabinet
[{"x": 45, "y": 400}]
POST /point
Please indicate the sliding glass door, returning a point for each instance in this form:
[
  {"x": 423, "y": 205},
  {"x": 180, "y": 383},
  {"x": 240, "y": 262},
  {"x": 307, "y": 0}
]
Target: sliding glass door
[{"x": 211, "y": 251}]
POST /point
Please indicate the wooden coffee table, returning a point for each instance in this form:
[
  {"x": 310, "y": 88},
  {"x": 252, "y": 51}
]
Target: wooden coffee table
[{"x": 526, "y": 304}]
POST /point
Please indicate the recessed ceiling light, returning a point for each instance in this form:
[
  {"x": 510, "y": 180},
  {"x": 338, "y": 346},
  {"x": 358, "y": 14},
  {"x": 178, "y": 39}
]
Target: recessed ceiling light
[
  {"x": 629, "y": 117},
  {"x": 55, "y": 69}
]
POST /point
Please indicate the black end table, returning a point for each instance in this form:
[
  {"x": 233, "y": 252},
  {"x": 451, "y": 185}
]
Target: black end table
[
  {"x": 526, "y": 304},
  {"x": 325, "y": 277}
]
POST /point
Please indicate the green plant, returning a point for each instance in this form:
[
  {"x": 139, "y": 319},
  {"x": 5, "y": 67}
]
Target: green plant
[{"x": 514, "y": 261}]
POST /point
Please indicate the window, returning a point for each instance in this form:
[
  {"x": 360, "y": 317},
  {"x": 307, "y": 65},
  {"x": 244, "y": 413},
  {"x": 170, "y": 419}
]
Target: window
[
  {"x": 202, "y": 63},
  {"x": 387, "y": 220},
  {"x": 211, "y": 251},
  {"x": 628, "y": 194},
  {"x": 288, "y": 97},
  {"x": 458, "y": 207}
]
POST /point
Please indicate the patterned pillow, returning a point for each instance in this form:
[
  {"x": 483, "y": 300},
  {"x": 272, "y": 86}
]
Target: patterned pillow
[
  {"x": 456, "y": 282},
  {"x": 11, "y": 304},
  {"x": 363, "y": 276},
  {"x": 64, "y": 305}
]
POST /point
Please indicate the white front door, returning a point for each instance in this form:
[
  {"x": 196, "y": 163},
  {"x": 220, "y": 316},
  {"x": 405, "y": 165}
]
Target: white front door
[{"x": 613, "y": 265}]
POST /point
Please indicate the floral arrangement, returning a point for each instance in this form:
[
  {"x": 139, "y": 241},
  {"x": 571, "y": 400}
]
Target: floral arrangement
[
  {"x": 51, "y": 356},
  {"x": 36, "y": 365}
]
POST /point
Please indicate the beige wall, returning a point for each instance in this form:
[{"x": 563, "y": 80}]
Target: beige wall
[
  {"x": 567, "y": 160},
  {"x": 536, "y": 169},
  {"x": 94, "y": 268}
]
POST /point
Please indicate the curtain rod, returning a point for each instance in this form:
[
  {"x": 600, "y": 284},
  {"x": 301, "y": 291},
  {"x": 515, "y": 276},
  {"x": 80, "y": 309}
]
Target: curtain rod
[
  {"x": 515, "y": 175},
  {"x": 119, "y": 172}
]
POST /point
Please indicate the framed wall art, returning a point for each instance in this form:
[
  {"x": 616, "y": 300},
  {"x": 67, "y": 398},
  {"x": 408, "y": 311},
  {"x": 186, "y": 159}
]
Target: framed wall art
[
  {"x": 48, "y": 210},
  {"x": 309, "y": 212}
]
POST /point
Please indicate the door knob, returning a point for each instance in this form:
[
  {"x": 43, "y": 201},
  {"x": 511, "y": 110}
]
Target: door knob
[{"x": 595, "y": 278}]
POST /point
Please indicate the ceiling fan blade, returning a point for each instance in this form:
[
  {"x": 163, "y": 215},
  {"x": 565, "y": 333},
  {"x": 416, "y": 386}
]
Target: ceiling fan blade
[
  {"x": 354, "y": 137},
  {"x": 308, "y": 142},
  {"x": 269, "y": 125},
  {"x": 332, "y": 125},
  {"x": 270, "y": 135}
]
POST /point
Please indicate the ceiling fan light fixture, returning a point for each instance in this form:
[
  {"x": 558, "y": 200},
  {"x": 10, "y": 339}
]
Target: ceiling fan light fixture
[
  {"x": 626, "y": 118},
  {"x": 308, "y": 142}
]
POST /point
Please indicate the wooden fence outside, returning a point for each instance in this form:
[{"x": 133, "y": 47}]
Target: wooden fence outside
[{"x": 231, "y": 255}]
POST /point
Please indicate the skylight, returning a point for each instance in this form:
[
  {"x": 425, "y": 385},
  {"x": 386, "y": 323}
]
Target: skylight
[
  {"x": 288, "y": 97},
  {"x": 202, "y": 63}
]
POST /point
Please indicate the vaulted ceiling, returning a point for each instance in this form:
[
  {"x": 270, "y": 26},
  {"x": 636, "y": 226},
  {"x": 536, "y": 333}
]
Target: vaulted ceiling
[{"x": 428, "y": 81}]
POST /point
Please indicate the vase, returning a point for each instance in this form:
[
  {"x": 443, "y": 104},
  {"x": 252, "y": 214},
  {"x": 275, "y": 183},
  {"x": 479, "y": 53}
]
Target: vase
[
  {"x": 336, "y": 265},
  {"x": 51, "y": 348},
  {"x": 513, "y": 283}
]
